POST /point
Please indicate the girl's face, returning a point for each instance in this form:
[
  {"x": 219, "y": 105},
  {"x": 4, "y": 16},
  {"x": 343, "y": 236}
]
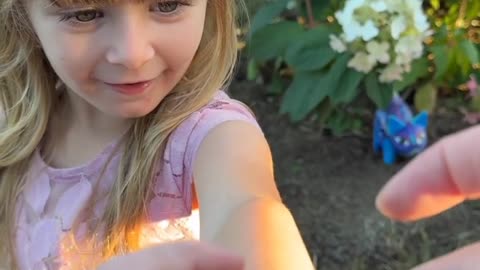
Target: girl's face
[{"x": 120, "y": 59}]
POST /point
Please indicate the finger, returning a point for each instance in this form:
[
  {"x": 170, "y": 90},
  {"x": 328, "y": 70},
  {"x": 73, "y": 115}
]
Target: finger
[
  {"x": 462, "y": 259},
  {"x": 178, "y": 256},
  {"x": 441, "y": 177},
  {"x": 207, "y": 257}
]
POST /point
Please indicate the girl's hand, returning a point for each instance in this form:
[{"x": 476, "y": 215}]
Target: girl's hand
[
  {"x": 177, "y": 256},
  {"x": 443, "y": 176}
]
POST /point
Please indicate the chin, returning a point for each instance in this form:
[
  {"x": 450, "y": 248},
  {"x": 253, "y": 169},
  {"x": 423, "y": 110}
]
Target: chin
[{"x": 138, "y": 112}]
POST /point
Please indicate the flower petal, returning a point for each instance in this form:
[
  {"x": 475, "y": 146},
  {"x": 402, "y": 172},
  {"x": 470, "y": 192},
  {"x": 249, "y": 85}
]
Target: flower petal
[
  {"x": 398, "y": 26},
  {"x": 369, "y": 31}
]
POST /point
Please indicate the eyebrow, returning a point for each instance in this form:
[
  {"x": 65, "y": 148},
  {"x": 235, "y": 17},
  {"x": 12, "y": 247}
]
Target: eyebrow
[{"x": 97, "y": 3}]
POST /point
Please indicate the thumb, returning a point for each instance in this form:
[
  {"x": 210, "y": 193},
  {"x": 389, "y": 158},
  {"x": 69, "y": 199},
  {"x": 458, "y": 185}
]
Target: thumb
[{"x": 463, "y": 259}]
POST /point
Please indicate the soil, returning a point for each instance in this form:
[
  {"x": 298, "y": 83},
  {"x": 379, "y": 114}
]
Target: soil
[{"x": 330, "y": 183}]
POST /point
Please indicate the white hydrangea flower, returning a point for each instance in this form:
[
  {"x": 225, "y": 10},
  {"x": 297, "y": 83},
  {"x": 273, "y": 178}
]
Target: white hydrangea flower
[
  {"x": 421, "y": 22},
  {"x": 398, "y": 26},
  {"x": 404, "y": 61},
  {"x": 352, "y": 28},
  {"x": 415, "y": 9},
  {"x": 345, "y": 16},
  {"x": 337, "y": 44},
  {"x": 393, "y": 6},
  {"x": 362, "y": 62},
  {"x": 355, "y": 30},
  {"x": 369, "y": 31},
  {"x": 291, "y": 4},
  {"x": 379, "y": 5},
  {"x": 379, "y": 51},
  {"x": 410, "y": 46},
  {"x": 386, "y": 32},
  {"x": 391, "y": 73}
]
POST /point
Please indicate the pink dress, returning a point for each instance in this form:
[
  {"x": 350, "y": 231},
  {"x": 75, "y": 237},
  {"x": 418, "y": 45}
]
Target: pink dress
[{"x": 53, "y": 199}]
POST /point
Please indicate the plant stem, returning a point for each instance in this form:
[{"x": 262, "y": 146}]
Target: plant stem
[
  {"x": 311, "y": 18},
  {"x": 461, "y": 14}
]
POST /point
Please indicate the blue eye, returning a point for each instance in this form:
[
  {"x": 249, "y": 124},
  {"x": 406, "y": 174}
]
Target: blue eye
[
  {"x": 82, "y": 16},
  {"x": 169, "y": 6}
]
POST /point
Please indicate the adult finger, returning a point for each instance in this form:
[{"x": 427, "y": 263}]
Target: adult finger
[
  {"x": 179, "y": 256},
  {"x": 463, "y": 259},
  {"x": 441, "y": 177}
]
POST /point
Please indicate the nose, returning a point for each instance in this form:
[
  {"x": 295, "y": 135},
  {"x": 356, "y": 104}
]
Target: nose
[{"x": 129, "y": 43}]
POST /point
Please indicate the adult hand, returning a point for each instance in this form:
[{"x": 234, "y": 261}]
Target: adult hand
[
  {"x": 177, "y": 256},
  {"x": 441, "y": 177}
]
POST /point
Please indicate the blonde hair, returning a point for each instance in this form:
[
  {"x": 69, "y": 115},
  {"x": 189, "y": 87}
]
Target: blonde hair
[{"x": 27, "y": 84}]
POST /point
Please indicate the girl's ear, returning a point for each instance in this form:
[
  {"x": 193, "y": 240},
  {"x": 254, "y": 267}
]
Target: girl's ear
[
  {"x": 394, "y": 124},
  {"x": 421, "y": 119}
]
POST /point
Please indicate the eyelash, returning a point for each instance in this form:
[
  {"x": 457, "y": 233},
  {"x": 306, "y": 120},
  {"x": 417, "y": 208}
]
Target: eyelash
[{"x": 70, "y": 17}]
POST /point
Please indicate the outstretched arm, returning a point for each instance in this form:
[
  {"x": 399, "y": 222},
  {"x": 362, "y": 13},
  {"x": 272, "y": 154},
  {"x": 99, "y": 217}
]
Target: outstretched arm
[{"x": 240, "y": 207}]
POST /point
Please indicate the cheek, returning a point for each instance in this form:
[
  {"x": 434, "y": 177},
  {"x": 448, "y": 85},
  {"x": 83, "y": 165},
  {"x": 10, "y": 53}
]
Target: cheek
[
  {"x": 181, "y": 46},
  {"x": 70, "y": 57}
]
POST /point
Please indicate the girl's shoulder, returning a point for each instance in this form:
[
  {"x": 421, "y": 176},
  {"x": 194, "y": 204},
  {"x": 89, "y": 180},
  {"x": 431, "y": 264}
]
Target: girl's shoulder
[
  {"x": 186, "y": 139},
  {"x": 174, "y": 179},
  {"x": 220, "y": 109}
]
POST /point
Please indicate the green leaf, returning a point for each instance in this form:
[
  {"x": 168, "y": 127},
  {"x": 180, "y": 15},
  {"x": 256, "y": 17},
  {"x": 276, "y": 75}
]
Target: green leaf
[
  {"x": 325, "y": 109},
  {"x": 441, "y": 35},
  {"x": 277, "y": 85},
  {"x": 470, "y": 51},
  {"x": 337, "y": 69},
  {"x": 475, "y": 103},
  {"x": 266, "y": 14},
  {"x": 348, "y": 88},
  {"x": 473, "y": 10},
  {"x": 309, "y": 89},
  {"x": 303, "y": 59},
  {"x": 452, "y": 14},
  {"x": 462, "y": 61},
  {"x": 252, "y": 70},
  {"x": 304, "y": 94},
  {"x": 435, "y": 4},
  {"x": 312, "y": 51},
  {"x": 426, "y": 98},
  {"x": 441, "y": 58},
  {"x": 380, "y": 94},
  {"x": 419, "y": 70},
  {"x": 272, "y": 40},
  {"x": 339, "y": 122}
]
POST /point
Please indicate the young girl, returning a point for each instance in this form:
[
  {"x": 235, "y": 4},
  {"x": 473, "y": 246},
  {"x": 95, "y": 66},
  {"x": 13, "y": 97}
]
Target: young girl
[{"x": 115, "y": 130}]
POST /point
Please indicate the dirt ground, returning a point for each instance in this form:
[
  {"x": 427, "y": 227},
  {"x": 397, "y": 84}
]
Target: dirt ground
[{"x": 330, "y": 184}]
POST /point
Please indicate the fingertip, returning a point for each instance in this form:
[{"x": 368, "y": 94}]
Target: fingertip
[
  {"x": 384, "y": 206},
  {"x": 394, "y": 202},
  {"x": 379, "y": 205}
]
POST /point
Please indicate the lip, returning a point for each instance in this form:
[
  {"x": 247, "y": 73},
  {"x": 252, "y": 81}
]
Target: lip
[{"x": 130, "y": 88}]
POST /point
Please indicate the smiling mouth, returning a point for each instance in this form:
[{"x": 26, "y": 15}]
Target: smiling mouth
[
  {"x": 130, "y": 88},
  {"x": 131, "y": 83}
]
